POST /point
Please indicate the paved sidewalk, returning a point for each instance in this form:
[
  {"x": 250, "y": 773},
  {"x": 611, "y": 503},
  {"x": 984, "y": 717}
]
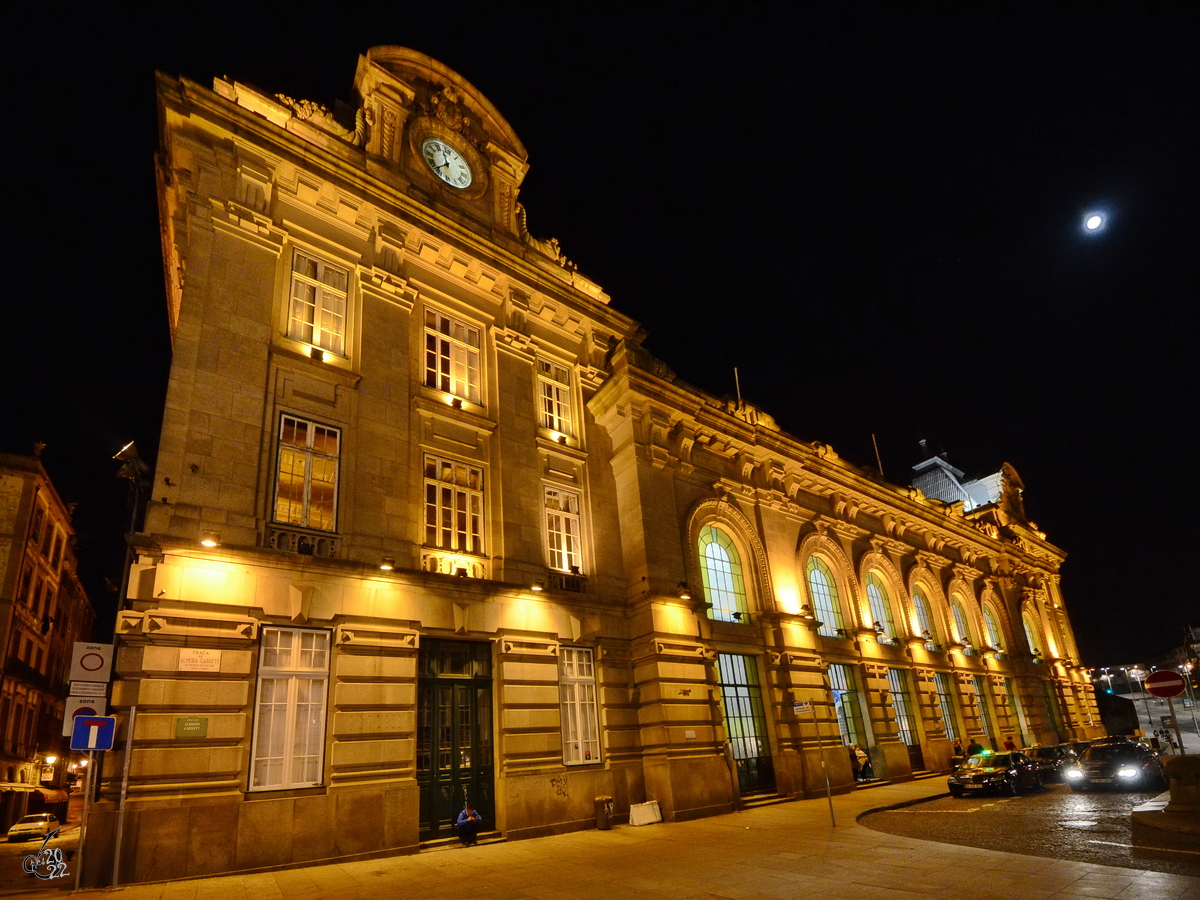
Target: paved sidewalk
[{"x": 784, "y": 851}]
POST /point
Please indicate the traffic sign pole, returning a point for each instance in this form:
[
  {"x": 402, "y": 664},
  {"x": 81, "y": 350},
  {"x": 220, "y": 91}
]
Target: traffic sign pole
[
  {"x": 1175, "y": 722},
  {"x": 87, "y": 796}
]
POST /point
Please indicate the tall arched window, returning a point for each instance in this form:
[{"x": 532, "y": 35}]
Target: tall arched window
[
  {"x": 924, "y": 618},
  {"x": 1032, "y": 635},
  {"x": 881, "y": 610},
  {"x": 823, "y": 590},
  {"x": 721, "y": 571},
  {"x": 993, "y": 631},
  {"x": 961, "y": 632}
]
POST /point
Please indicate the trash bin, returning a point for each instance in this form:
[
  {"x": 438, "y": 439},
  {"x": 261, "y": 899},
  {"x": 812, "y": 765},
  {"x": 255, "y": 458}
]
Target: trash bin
[{"x": 604, "y": 813}]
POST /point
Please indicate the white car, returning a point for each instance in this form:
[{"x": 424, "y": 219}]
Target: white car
[{"x": 34, "y": 826}]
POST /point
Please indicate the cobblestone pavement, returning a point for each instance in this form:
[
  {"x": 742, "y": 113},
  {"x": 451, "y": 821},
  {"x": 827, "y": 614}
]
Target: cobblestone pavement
[
  {"x": 784, "y": 851},
  {"x": 1057, "y": 823}
]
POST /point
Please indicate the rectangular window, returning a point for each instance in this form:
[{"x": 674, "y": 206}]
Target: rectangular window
[
  {"x": 554, "y": 394},
  {"x": 317, "y": 314},
  {"x": 562, "y": 530},
  {"x": 289, "y": 709},
  {"x": 451, "y": 356},
  {"x": 453, "y": 505},
  {"x": 845, "y": 703},
  {"x": 982, "y": 700},
  {"x": 898, "y": 685},
  {"x": 946, "y": 704},
  {"x": 577, "y": 695},
  {"x": 307, "y": 480}
]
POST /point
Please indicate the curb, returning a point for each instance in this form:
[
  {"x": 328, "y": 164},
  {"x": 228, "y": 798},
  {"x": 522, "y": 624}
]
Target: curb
[{"x": 900, "y": 805}]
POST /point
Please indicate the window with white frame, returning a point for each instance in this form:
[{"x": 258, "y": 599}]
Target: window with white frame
[
  {"x": 881, "y": 609},
  {"x": 993, "y": 630},
  {"x": 577, "y": 695},
  {"x": 317, "y": 314},
  {"x": 451, "y": 356},
  {"x": 721, "y": 572},
  {"x": 453, "y": 505},
  {"x": 946, "y": 704},
  {"x": 823, "y": 591},
  {"x": 1032, "y": 633},
  {"x": 289, "y": 709},
  {"x": 554, "y": 396},
  {"x": 306, "y": 483},
  {"x": 562, "y": 530},
  {"x": 924, "y": 619},
  {"x": 963, "y": 633}
]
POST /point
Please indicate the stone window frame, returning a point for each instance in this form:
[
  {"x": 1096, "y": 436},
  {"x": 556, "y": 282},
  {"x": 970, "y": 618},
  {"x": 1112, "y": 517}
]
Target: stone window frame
[
  {"x": 833, "y": 596},
  {"x": 737, "y": 588},
  {"x": 291, "y": 673},
  {"x": 476, "y": 537},
  {"x": 310, "y": 455},
  {"x": 578, "y": 567},
  {"x": 962, "y": 622},
  {"x": 885, "y": 615},
  {"x": 448, "y": 382},
  {"x": 326, "y": 298},
  {"x": 555, "y": 396},
  {"x": 993, "y": 629},
  {"x": 579, "y": 706}
]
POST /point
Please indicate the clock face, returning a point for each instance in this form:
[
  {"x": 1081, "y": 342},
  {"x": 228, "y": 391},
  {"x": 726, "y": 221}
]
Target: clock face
[{"x": 447, "y": 163}]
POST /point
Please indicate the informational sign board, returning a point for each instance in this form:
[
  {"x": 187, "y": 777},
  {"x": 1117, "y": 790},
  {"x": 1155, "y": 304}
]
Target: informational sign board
[
  {"x": 89, "y": 688},
  {"x": 93, "y": 733},
  {"x": 1165, "y": 683},
  {"x": 91, "y": 662},
  {"x": 191, "y": 727},
  {"x": 195, "y": 659},
  {"x": 801, "y": 706},
  {"x": 82, "y": 706}
]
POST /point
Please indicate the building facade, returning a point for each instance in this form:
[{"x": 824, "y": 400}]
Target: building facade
[
  {"x": 430, "y": 525},
  {"x": 44, "y": 610}
]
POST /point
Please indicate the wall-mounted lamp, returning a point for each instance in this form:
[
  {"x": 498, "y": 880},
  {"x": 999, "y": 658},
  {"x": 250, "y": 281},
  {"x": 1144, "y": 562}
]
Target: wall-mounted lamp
[
  {"x": 210, "y": 539},
  {"x": 538, "y": 586},
  {"x": 562, "y": 439},
  {"x": 456, "y": 402},
  {"x": 878, "y": 626},
  {"x": 461, "y": 572},
  {"x": 316, "y": 353},
  {"x": 737, "y": 617},
  {"x": 685, "y": 592},
  {"x": 387, "y": 563},
  {"x": 51, "y": 760}
]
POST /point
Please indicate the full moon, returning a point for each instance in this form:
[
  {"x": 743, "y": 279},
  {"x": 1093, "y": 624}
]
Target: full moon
[{"x": 1092, "y": 222}]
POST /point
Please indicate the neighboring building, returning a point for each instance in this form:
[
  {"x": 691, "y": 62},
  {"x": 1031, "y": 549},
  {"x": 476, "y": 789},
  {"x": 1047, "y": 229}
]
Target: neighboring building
[
  {"x": 44, "y": 611},
  {"x": 430, "y": 524}
]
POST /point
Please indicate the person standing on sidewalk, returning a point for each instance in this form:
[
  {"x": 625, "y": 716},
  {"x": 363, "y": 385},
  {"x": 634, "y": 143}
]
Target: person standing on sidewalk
[{"x": 855, "y": 765}]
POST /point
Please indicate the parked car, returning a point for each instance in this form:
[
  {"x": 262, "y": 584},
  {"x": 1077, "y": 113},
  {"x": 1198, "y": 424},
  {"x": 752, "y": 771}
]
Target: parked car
[
  {"x": 1006, "y": 772},
  {"x": 1117, "y": 764},
  {"x": 1051, "y": 760},
  {"x": 33, "y": 826}
]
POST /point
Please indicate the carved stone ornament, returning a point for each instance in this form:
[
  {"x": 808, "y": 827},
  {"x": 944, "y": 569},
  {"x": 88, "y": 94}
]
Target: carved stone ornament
[
  {"x": 320, "y": 116},
  {"x": 549, "y": 248}
]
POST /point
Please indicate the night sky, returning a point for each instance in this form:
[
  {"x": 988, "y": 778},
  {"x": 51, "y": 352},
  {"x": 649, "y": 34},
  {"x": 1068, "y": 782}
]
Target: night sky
[{"x": 875, "y": 215}]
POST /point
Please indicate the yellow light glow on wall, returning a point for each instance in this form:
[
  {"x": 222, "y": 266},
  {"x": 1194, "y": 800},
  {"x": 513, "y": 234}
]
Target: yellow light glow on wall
[{"x": 788, "y": 598}]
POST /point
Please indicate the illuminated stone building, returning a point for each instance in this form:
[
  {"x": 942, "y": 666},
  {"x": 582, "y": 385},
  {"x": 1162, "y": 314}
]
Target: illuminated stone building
[
  {"x": 44, "y": 611},
  {"x": 428, "y": 523}
]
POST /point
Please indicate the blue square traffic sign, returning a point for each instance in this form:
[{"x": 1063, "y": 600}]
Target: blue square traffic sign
[{"x": 93, "y": 732}]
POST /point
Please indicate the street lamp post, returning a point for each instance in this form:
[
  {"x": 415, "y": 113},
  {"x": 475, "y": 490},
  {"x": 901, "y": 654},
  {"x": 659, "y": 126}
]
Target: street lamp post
[{"x": 1186, "y": 671}]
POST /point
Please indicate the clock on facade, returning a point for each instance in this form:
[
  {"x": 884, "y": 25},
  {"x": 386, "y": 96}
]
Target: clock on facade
[{"x": 447, "y": 163}]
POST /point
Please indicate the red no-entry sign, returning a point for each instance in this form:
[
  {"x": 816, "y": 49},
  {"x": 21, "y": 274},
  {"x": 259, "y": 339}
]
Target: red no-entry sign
[{"x": 1165, "y": 683}]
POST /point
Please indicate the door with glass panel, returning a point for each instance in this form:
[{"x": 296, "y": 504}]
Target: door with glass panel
[
  {"x": 745, "y": 722},
  {"x": 902, "y": 705},
  {"x": 454, "y": 734}
]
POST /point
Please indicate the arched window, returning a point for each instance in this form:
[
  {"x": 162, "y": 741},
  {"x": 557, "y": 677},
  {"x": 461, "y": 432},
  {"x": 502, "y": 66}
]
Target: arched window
[
  {"x": 1031, "y": 635},
  {"x": 881, "y": 610},
  {"x": 961, "y": 632},
  {"x": 993, "y": 632},
  {"x": 721, "y": 571},
  {"x": 823, "y": 590},
  {"x": 924, "y": 618}
]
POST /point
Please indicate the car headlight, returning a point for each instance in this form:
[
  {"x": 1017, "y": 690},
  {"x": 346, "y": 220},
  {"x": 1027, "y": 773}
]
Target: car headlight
[
  {"x": 1128, "y": 772},
  {"x": 1074, "y": 773}
]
